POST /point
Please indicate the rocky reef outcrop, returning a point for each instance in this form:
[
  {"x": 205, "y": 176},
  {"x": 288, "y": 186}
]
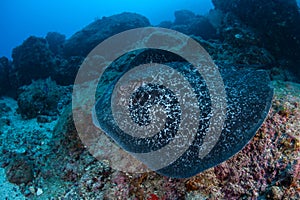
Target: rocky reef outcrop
[
  {"x": 276, "y": 24},
  {"x": 40, "y": 58},
  {"x": 82, "y": 42},
  {"x": 55, "y": 41},
  {"x": 31, "y": 61},
  {"x": 5, "y": 67},
  {"x": 189, "y": 23},
  {"x": 42, "y": 97}
]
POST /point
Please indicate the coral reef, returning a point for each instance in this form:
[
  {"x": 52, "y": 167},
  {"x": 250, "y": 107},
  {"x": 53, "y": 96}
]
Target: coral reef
[
  {"x": 44, "y": 157},
  {"x": 267, "y": 167},
  {"x": 268, "y": 163},
  {"x": 39, "y": 58}
]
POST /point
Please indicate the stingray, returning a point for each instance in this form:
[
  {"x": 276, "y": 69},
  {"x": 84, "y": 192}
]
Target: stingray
[{"x": 248, "y": 96}]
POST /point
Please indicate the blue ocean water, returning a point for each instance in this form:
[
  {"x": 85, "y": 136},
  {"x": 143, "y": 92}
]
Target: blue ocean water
[{"x": 20, "y": 19}]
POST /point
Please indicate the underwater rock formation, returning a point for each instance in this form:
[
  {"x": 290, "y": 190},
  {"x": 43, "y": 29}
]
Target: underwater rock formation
[
  {"x": 183, "y": 17},
  {"x": 238, "y": 54},
  {"x": 65, "y": 70},
  {"x": 31, "y": 61},
  {"x": 5, "y": 67},
  {"x": 42, "y": 97},
  {"x": 277, "y": 23},
  {"x": 20, "y": 170},
  {"x": 56, "y": 42},
  {"x": 82, "y": 42},
  {"x": 189, "y": 23},
  {"x": 39, "y": 58}
]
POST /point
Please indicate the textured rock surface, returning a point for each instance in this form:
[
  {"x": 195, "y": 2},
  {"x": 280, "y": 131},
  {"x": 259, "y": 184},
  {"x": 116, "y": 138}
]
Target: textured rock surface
[
  {"x": 240, "y": 54},
  {"x": 56, "y": 42},
  {"x": 183, "y": 17},
  {"x": 31, "y": 61},
  {"x": 281, "y": 35},
  {"x": 82, "y": 42},
  {"x": 4, "y": 75},
  {"x": 19, "y": 171},
  {"x": 9, "y": 190},
  {"x": 189, "y": 23},
  {"x": 65, "y": 70},
  {"x": 42, "y": 97}
]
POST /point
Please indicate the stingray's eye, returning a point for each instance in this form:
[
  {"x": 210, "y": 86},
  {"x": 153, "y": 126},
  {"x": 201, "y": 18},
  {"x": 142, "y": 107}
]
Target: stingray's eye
[{"x": 157, "y": 94}]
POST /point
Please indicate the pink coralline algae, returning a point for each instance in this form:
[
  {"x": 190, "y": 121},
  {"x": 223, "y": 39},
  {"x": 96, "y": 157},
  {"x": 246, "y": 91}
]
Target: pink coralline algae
[
  {"x": 268, "y": 167},
  {"x": 269, "y": 164}
]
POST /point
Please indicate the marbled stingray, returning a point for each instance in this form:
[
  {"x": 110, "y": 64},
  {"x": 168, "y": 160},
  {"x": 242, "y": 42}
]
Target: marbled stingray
[{"x": 249, "y": 95}]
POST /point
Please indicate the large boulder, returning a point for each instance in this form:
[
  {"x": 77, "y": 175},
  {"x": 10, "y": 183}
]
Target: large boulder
[
  {"x": 31, "y": 61},
  {"x": 39, "y": 58},
  {"x": 82, "y": 42}
]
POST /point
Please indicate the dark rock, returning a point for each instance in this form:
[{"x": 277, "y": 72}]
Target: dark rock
[
  {"x": 165, "y": 24},
  {"x": 215, "y": 17},
  {"x": 283, "y": 71},
  {"x": 4, "y": 75},
  {"x": 65, "y": 70},
  {"x": 190, "y": 24},
  {"x": 276, "y": 21},
  {"x": 238, "y": 54},
  {"x": 31, "y": 61},
  {"x": 82, "y": 42},
  {"x": 19, "y": 171},
  {"x": 70, "y": 158},
  {"x": 39, "y": 58},
  {"x": 42, "y": 97},
  {"x": 56, "y": 42},
  {"x": 65, "y": 132},
  {"x": 202, "y": 27},
  {"x": 237, "y": 34},
  {"x": 183, "y": 17},
  {"x": 4, "y": 108}
]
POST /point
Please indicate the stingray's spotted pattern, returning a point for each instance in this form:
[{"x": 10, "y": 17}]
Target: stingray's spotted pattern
[{"x": 249, "y": 96}]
